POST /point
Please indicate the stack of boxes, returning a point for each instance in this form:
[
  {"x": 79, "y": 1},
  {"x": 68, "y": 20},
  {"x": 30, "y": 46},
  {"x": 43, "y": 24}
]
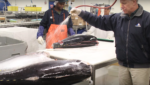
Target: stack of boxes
[
  {"x": 12, "y": 8},
  {"x": 15, "y": 8},
  {"x": 76, "y": 20},
  {"x": 33, "y": 8},
  {"x": 2, "y": 18}
]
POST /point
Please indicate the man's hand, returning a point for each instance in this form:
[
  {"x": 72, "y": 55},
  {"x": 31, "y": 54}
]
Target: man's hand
[
  {"x": 75, "y": 11},
  {"x": 40, "y": 40}
]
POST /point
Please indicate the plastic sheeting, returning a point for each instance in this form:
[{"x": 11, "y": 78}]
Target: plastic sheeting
[{"x": 27, "y": 35}]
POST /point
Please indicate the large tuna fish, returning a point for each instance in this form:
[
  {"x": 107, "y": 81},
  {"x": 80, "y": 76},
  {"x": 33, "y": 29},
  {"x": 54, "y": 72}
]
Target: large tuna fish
[
  {"x": 78, "y": 40},
  {"x": 38, "y": 69}
]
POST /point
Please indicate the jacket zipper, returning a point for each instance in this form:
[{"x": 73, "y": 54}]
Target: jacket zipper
[
  {"x": 127, "y": 44},
  {"x": 144, "y": 51}
]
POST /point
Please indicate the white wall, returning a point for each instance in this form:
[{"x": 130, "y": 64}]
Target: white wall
[
  {"x": 88, "y": 2},
  {"x": 23, "y": 3},
  {"x": 116, "y": 8},
  {"x": 145, "y": 4}
]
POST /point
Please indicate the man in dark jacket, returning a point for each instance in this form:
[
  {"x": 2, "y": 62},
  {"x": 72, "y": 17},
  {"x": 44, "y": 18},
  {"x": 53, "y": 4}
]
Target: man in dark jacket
[
  {"x": 132, "y": 36},
  {"x": 107, "y": 11},
  {"x": 48, "y": 19}
]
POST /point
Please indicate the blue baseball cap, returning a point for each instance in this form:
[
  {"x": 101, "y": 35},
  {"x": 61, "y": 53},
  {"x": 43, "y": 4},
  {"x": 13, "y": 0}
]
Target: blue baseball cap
[
  {"x": 108, "y": 6},
  {"x": 61, "y": 0}
]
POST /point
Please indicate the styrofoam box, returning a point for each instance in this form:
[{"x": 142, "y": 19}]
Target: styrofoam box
[{"x": 11, "y": 47}]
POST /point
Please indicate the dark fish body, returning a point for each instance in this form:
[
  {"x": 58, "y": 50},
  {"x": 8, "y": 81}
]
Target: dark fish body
[
  {"x": 77, "y": 40},
  {"x": 61, "y": 72}
]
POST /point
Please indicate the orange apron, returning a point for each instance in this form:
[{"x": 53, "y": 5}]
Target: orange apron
[
  {"x": 55, "y": 33},
  {"x": 99, "y": 12}
]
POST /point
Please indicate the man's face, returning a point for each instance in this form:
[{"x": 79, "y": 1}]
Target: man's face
[
  {"x": 60, "y": 5},
  {"x": 127, "y": 6},
  {"x": 106, "y": 11}
]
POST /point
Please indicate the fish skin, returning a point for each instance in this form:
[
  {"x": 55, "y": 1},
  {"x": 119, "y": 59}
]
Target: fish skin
[
  {"x": 17, "y": 62},
  {"x": 61, "y": 72},
  {"x": 78, "y": 40}
]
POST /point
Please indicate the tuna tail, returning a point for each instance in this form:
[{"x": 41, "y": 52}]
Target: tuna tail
[{"x": 56, "y": 45}]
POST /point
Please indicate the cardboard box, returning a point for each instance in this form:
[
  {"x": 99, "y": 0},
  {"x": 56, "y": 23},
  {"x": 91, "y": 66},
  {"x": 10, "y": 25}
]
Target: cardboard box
[
  {"x": 81, "y": 22},
  {"x": 74, "y": 17},
  {"x": 80, "y": 18},
  {"x": 75, "y": 22},
  {"x": 2, "y": 18}
]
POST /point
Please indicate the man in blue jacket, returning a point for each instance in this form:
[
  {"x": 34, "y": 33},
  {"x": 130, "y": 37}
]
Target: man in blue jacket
[
  {"x": 132, "y": 35},
  {"x": 55, "y": 15}
]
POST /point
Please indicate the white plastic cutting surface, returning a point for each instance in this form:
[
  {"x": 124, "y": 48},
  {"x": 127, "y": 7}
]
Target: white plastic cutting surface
[{"x": 104, "y": 52}]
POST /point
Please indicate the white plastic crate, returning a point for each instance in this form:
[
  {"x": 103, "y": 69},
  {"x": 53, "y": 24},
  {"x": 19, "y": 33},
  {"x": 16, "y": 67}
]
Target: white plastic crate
[{"x": 11, "y": 47}]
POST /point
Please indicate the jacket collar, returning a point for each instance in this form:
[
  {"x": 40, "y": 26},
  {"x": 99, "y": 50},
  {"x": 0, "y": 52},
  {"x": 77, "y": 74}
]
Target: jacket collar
[{"x": 138, "y": 13}]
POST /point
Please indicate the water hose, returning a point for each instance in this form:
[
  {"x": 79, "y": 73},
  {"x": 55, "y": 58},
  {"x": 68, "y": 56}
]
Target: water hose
[
  {"x": 96, "y": 6},
  {"x": 107, "y": 40}
]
